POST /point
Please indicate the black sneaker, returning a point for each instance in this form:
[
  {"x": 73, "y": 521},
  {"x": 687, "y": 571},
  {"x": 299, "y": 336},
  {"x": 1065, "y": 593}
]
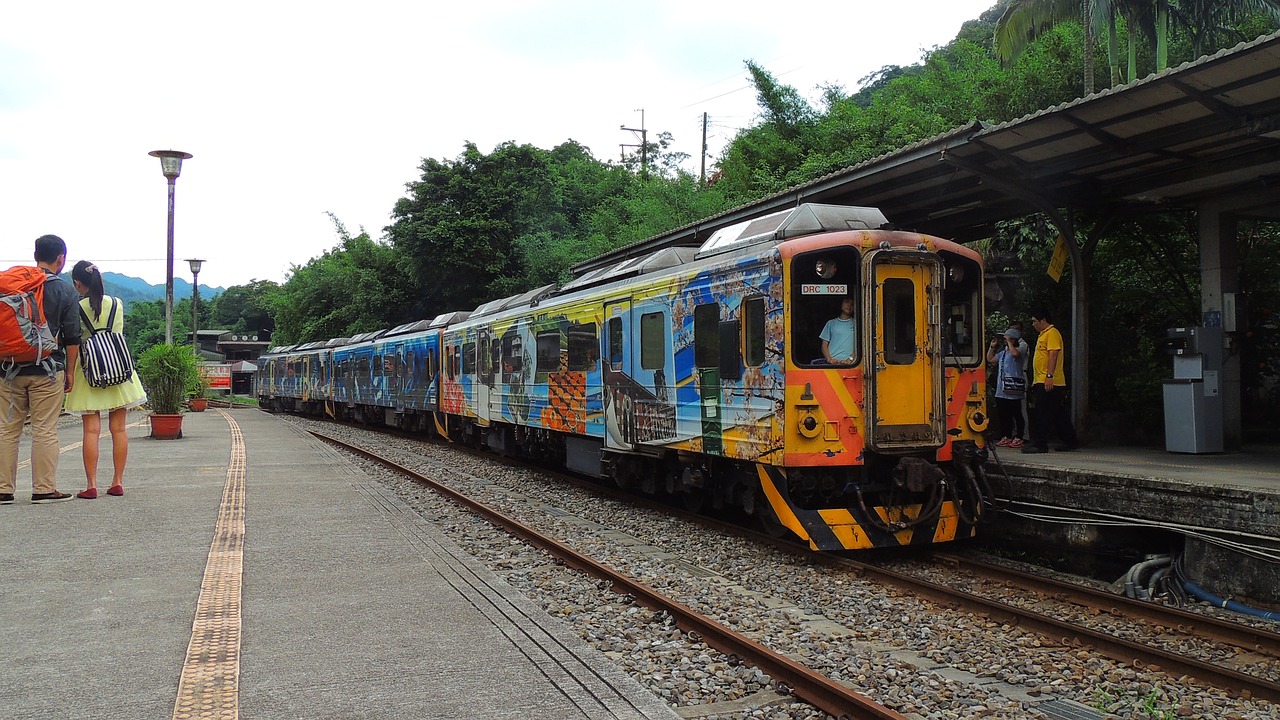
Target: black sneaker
[
  {"x": 55, "y": 496},
  {"x": 6, "y": 498}
]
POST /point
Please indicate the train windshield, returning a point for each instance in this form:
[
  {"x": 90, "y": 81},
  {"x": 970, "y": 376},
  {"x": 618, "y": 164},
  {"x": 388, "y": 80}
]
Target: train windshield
[
  {"x": 962, "y": 310},
  {"x": 820, "y": 282}
]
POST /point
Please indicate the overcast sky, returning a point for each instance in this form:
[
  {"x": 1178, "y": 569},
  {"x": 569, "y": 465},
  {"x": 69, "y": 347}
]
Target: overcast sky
[{"x": 293, "y": 110}]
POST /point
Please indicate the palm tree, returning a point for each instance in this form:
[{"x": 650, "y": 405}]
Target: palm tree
[
  {"x": 1209, "y": 21},
  {"x": 1024, "y": 20}
]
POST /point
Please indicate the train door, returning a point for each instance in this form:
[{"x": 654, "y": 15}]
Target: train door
[
  {"x": 393, "y": 367},
  {"x": 617, "y": 368},
  {"x": 907, "y": 409},
  {"x": 707, "y": 339},
  {"x": 483, "y": 388},
  {"x": 305, "y": 378}
]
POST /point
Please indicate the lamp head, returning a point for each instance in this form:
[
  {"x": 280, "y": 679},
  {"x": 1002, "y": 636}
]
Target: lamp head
[
  {"x": 170, "y": 161},
  {"x": 195, "y": 265}
]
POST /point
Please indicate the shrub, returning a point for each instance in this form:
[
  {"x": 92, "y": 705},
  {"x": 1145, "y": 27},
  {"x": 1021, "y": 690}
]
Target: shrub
[{"x": 170, "y": 373}]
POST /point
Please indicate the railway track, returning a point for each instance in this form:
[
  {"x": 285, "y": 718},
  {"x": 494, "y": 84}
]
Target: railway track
[
  {"x": 814, "y": 688},
  {"x": 1141, "y": 656}
]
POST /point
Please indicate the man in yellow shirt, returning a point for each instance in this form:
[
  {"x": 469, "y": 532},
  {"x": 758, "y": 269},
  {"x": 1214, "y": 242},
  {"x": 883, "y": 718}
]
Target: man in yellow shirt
[{"x": 1049, "y": 388}]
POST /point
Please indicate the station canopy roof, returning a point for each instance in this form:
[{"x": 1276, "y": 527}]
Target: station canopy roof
[{"x": 1205, "y": 129}]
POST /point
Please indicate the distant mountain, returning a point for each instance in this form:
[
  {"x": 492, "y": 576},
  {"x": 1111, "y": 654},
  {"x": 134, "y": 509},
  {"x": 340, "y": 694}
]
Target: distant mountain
[{"x": 130, "y": 289}]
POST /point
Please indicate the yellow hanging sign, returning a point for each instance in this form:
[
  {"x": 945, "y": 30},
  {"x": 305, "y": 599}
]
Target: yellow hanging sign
[{"x": 1059, "y": 260}]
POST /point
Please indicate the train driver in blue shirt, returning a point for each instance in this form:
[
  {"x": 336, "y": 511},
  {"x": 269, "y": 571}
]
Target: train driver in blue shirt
[{"x": 838, "y": 335}]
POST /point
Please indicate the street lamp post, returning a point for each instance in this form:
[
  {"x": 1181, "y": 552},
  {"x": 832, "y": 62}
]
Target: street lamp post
[
  {"x": 171, "y": 165},
  {"x": 195, "y": 304}
]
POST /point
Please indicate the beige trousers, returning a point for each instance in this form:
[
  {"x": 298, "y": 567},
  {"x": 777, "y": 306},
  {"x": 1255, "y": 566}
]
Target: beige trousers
[{"x": 39, "y": 396}]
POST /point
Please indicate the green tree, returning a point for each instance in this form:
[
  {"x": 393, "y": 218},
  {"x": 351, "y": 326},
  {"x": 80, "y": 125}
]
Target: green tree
[
  {"x": 458, "y": 226},
  {"x": 247, "y": 308},
  {"x": 356, "y": 287}
]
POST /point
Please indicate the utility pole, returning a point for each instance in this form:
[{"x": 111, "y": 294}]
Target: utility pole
[
  {"x": 702, "y": 177},
  {"x": 644, "y": 144}
]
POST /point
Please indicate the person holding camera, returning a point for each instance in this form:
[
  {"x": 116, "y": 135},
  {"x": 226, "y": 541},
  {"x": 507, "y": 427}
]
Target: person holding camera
[{"x": 1007, "y": 352}]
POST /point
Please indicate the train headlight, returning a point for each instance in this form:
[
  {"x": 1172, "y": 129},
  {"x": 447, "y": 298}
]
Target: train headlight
[
  {"x": 978, "y": 420},
  {"x": 809, "y": 425}
]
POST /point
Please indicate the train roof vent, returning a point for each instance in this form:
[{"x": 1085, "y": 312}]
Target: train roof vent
[
  {"x": 813, "y": 218},
  {"x": 409, "y": 327},
  {"x": 740, "y": 235},
  {"x": 337, "y": 341},
  {"x": 805, "y": 219},
  {"x": 530, "y": 298},
  {"x": 524, "y": 299},
  {"x": 449, "y": 318},
  {"x": 662, "y": 259},
  {"x": 366, "y": 336},
  {"x": 489, "y": 308}
]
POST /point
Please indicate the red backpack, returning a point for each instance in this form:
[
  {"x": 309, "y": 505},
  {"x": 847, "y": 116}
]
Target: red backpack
[{"x": 24, "y": 332}]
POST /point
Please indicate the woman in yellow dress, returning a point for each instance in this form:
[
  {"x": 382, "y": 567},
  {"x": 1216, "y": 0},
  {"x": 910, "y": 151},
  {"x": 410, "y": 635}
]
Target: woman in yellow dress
[{"x": 89, "y": 401}]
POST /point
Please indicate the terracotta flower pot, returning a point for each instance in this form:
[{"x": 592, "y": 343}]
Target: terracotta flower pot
[
  {"x": 166, "y": 427},
  {"x": 198, "y": 404}
]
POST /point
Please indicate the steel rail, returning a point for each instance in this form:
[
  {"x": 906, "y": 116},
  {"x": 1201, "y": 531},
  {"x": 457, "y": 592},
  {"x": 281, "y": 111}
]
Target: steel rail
[
  {"x": 1191, "y": 623},
  {"x": 814, "y": 688},
  {"x": 1119, "y": 649}
]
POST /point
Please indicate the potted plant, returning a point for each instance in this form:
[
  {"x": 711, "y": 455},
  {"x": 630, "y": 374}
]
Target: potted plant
[
  {"x": 200, "y": 396},
  {"x": 169, "y": 373}
]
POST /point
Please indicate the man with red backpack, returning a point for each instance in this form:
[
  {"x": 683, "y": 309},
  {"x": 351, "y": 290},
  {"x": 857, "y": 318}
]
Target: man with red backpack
[{"x": 33, "y": 384}]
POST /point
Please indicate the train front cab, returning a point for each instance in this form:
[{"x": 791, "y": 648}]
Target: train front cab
[{"x": 886, "y": 451}]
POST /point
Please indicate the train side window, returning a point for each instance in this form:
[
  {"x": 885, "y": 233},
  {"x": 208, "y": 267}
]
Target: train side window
[
  {"x": 469, "y": 358},
  {"x": 615, "y": 343},
  {"x": 377, "y": 366},
  {"x": 753, "y": 332},
  {"x": 584, "y": 347},
  {"x": 706, "y": 335},
  {"x": 512, "y": 353},
  {"x": 730, "y": 350},
  {"x": 486, "y": 360},
  {"x": 653, "y": 341},
  {"x": 899, "y": 321},
  {"x": 548, "y": 351}
]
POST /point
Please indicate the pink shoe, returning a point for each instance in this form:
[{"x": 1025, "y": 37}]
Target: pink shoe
[
  {"x": 1004, "y": 442},
  {"x": 1015, "y": 443},
  {"x": 116, "y": 490},
  {"x": 90, "y": 494}
]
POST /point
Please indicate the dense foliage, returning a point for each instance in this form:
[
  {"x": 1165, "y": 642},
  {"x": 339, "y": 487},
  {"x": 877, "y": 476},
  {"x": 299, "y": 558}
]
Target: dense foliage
[{"x": 487, "y": 225}]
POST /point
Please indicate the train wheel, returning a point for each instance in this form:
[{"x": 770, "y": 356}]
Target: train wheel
[
  {"x": 768, "y": 521},
  {"x": 693, "y": 500}
]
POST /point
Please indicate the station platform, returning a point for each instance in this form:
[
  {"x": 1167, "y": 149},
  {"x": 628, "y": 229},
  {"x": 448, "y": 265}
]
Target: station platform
[
  {"x": 252, "y": 570},
  {"x": 1219, "y": 504}
]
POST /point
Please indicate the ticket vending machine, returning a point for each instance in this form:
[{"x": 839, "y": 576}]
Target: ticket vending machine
[{"x": 1193, "y": 409}]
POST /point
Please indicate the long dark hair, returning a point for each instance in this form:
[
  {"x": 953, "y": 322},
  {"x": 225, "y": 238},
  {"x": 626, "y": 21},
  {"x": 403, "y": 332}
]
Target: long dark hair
[{"x": 87, "y": 274}]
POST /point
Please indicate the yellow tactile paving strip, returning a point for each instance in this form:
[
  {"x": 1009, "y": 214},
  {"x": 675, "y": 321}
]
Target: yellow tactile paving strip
[{"x": 210, "y": 683}]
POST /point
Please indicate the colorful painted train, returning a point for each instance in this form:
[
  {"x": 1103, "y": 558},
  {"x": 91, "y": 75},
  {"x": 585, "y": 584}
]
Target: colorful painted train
[{"x": 699, "y": 373}]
